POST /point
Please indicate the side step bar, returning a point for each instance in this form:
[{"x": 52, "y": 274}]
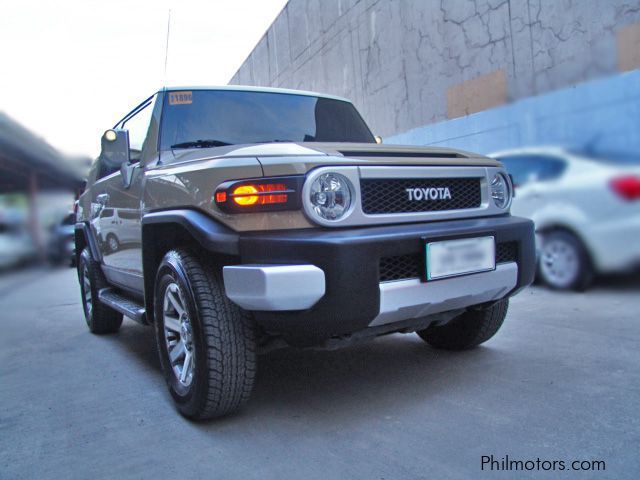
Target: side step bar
[{"x": 122, "y": 304}]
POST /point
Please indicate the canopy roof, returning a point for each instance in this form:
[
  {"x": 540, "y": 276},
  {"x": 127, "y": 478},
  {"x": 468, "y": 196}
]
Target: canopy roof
[{"x": 23, "y": 154}]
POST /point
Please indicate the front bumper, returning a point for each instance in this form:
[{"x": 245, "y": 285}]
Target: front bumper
[{"x": 352, "y": 297}]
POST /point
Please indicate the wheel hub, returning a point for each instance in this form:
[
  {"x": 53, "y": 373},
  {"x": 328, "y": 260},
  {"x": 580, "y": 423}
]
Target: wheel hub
[{"x": 559, "y": 262}]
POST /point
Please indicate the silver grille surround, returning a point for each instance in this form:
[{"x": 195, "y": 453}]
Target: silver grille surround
[{"x": 355, "y": 216}]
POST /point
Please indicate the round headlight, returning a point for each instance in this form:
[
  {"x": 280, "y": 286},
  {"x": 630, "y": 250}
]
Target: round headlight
[
  {"x": 500, "y": 191},
  {"x": 330, "y": 196}
]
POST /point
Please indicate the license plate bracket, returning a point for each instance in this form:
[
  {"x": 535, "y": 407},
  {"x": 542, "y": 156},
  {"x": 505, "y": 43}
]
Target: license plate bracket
[{"x": 458, "y": 256}]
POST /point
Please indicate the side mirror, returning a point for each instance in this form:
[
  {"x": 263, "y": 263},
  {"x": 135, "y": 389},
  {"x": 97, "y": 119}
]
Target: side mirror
[
  {"x": 378, "y": 139},
  {"x": 126, "y": 172},
  {"x": 115, "y": 149}
]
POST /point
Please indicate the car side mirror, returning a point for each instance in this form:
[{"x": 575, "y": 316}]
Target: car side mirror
[
  {"x": 115, "y": 149},
  {"x": 378, "y": 139},
  {"x": 126, "y": 172}
]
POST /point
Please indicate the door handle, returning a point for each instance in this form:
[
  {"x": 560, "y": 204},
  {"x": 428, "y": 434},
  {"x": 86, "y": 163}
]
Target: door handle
[{"x": 103, "y": 198}]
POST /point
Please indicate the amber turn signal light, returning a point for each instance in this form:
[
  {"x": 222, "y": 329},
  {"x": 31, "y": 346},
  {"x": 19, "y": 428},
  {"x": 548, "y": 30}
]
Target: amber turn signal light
[
  {"x": 278, "y": 193},
  {"x": 264, "y": 194}
]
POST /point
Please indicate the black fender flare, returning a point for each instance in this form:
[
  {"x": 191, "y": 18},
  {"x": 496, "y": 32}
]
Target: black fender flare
[
  {"x": 160, "y": 231},
  {"x": 84, "y": 237}
]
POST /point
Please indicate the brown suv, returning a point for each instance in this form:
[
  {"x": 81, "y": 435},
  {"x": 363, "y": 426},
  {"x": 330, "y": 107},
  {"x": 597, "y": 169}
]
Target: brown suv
[{"x": 239, "y": 219}]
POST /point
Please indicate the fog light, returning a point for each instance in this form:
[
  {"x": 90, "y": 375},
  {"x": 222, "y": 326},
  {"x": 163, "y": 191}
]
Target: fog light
[{"x": 330, "y": 196}]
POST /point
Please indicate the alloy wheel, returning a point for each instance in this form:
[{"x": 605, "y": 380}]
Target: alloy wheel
[
  {"x": 559, "y": 263},
  {"x": 178, "y": 334},
  {"x": 86, "y": 287}
]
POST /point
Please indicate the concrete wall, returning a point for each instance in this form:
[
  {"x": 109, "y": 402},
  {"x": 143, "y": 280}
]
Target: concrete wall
[
  {"x": 603, "y": 112},
  {"x": 412, "y": 63}
]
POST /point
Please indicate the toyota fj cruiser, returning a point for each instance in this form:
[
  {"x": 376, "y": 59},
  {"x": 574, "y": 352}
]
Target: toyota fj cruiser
[{"x": 239, "y": 219}]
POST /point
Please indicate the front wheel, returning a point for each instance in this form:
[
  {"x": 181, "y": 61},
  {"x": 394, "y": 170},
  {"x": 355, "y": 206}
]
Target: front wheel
[
  {"x": 468, "y": 330},
  {"x": 206, "y": 343}
]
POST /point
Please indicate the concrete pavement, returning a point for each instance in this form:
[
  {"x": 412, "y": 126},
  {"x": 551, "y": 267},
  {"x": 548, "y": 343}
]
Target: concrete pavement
[{"x": 560, "y": 381}]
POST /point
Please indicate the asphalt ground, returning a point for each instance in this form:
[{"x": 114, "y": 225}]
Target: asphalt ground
[{"x": 560, "y": 381}]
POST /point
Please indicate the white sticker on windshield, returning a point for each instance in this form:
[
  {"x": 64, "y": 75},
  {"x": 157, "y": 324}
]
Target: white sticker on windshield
[{"x": 180, "y": 98}]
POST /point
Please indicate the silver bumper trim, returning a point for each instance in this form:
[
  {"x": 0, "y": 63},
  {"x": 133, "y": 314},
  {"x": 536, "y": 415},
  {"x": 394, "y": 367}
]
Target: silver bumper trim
[
  {"x": 274, "y": 287},
  {"x": 406, "y": 299}
]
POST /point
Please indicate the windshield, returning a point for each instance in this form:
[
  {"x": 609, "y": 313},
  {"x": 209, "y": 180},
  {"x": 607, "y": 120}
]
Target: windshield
[{"x": 205, "y": 118}]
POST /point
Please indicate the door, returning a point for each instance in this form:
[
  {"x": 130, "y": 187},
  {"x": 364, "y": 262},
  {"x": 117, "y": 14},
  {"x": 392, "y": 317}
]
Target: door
[{"x": 121, "y": 239}]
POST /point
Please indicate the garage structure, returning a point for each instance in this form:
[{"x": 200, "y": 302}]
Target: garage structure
[{"x": 29, "y": 165}]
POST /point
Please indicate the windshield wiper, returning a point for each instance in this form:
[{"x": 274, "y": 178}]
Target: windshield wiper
[
  {"x": 276, "y": 140},
  {"x": 201, "y": 144}
]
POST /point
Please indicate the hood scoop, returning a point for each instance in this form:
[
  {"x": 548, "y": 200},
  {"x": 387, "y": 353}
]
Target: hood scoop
[{"x": 399, "y": 154}]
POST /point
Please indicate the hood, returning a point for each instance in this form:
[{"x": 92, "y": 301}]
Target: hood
[{"x": 299, "y": 158}]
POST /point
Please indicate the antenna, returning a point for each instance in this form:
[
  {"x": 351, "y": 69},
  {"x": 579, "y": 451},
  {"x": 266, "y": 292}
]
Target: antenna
[{"x": 166, "y": 50}]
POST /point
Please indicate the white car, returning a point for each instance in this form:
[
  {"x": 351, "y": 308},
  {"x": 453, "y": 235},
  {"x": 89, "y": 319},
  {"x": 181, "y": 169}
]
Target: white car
[
  {"x": 118, "y": 226},
  {"x": 16, "y": 245},
  {"x": 586, "y": 208}
]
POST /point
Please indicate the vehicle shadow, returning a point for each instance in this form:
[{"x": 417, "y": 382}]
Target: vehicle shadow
[
  {"x": 621, "y": 282},
  {"x": 378, "y": 378},
  {"x": 138, "y": 342},
  {"x": 387, "y": 375}
]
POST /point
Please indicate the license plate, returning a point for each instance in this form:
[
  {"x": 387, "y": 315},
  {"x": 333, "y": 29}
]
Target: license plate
[{"x": 459, "y": 257}]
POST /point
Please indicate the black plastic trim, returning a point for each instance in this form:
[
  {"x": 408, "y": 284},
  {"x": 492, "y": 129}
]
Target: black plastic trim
[
  {"x": 82, "y": 228},
  {"x": 350, "y": 259},
  {"x": 211, "y": 235},
  {"x": 384, "y": 154},
  {"x": 122, "y": 304}
]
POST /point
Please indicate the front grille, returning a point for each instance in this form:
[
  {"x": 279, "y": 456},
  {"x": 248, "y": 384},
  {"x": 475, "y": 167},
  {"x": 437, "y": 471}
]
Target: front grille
[
  {"x": 390, "y": 195},
  {"x": 402, "y": 267},
  {"x": 506, "y": 252}
]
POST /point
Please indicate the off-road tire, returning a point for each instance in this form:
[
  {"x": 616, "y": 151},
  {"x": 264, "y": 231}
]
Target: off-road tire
[
  {"x": 469, "y": 329},
  {"x": 100, "y": 318},
  {"x": 223, "y": 338}
]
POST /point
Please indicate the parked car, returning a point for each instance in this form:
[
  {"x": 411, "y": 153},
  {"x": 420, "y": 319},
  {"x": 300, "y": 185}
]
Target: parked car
[
  {"x": 61, "y": 245},
  {"x": 16, "y": 245},
  {"x": 586, "y": 208},
  {"x": 116, "y": 226},
  {"x": 272, "y": 217}
]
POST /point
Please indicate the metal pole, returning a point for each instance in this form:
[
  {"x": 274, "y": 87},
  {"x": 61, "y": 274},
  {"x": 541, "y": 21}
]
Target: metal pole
[{"x": 34, "y": 224}]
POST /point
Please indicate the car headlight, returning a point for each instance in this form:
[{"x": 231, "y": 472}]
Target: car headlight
[
  {"x": 330, "y": 196},
  {"x": 500, "y": 191}
]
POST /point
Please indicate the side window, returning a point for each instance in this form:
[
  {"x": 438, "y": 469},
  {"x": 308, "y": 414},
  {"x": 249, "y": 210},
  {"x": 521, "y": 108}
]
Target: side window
[
  {"x": 126, "y": 214},
  {"x": 138, "y": 126},
  {"x": 519, "y": 168},
  {"x": 533, "y": 168},
  {"x": 550, "y": 168},
  {"x": 106, "y": 213}
]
